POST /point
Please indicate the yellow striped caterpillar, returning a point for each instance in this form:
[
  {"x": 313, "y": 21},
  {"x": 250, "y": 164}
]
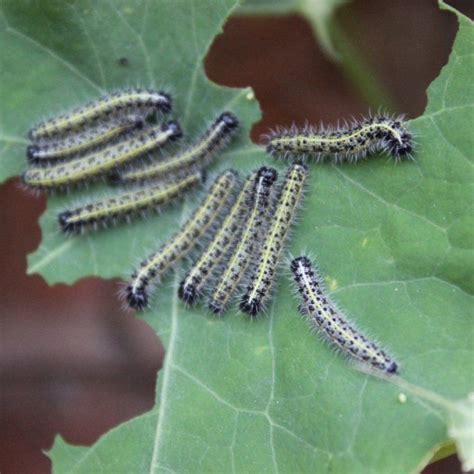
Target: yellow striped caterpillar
[
  {"x": 271, "y": 244},
  {"x": 196, "y": 278},
  {"x": 154, "y": 267},
  {"x": 98, "y": 162},
  {"x": 241, "y": 257},
  {"x": 323, "y": 314},
  {"x": 126, "y": 205},
  {"x": 75, "y": 144},
  {"x": 349, "y": 142},
  {"x": 198, "y": 154},
  {"x": 115, "y": 105}
]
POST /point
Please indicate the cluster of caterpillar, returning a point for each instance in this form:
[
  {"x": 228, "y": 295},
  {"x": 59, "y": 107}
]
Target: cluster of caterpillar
[
  {"x": 198, "y": 155},
  {"x": 257, "y": 251},
  {"x": 103, "y": 139},
  {"x": 90, "y": 141},
  {"x": 350, "y": 142},
  {"x": 245, "y": 224},
  {"x": 271, "y": 245},
  {"x": 244, "y": 247},
  {"x": 99, "y": 162},
  {"x": 204, "y": 218},
  {"x": 195, "y": 281},
  {"x": 232, "y": 262}
]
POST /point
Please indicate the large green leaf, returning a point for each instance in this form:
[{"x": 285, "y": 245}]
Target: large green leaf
[{"x": 394, "y": 241}]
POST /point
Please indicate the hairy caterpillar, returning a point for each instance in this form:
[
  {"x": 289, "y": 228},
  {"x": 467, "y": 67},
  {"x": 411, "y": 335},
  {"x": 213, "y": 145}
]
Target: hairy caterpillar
[
  {"x": 75, "y": 144},
  {"x": 199, "y": 153},
  {"x": 117, "y": 104},
  {"x": 323, "y": 315},
  {"x": 192, "y": 285},
  {"x": 241, "y": 256},
  {"x": 261, "y": 281},
  {"x": 99, "y": 162},
  {"x": 180, "y": 244},
  {"x": 349, "y": 142},
  {"x": 126, "y": 205}
]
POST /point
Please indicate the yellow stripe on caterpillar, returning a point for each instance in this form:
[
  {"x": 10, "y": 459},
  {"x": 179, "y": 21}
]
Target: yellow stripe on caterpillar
[
  {"x": 322, "y": 314},
  {"x": 272, "y": 243},
  {"x": 180, "y": 244},
  {"x": 350, "y": 142},
  {"x": 126, "y": 205},
  {"x": 200, "y": 273},
  {"x": 115, "y": 105},
  {"x": 198, "y": 154},
  {"x": 235, "y": 267},
  {"x": 99, "y": 162}
]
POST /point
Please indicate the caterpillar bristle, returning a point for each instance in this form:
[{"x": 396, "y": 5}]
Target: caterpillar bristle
[
  {"x": 197, "y": 155},
  {"x": 350, "y": 142},
  {"x": 328, "y": 320},
  {"x": 153, "y": 268},
  {"x": 107, "y": 107},
  {"x": 272, "y": 242}
]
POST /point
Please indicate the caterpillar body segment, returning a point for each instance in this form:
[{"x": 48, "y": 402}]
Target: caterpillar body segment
[
  {"x": 99, "y": 162},
  {"x": 199, "y": 154},
  {"x": 193, "y": 284},
  {"x": 234, "y": 269},
  {"x": 126, "y": 205},
  {"x": 155, "y": 266},
  {"x": 105, "y": 108},
  {"x": 272, "y": 243},
  {"x": 329, "y": 321}
]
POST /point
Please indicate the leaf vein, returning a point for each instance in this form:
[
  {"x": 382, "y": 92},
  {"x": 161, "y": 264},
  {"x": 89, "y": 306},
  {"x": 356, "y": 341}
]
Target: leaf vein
[{"x": 56, "y": 56}]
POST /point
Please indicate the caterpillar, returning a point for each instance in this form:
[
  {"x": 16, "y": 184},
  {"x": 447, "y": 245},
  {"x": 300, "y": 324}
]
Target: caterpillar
[
  {"x": 329, "y": 321},
  {"x": 117, "y": 104},
  {"x": 241, "y": 256},
  {"x": 349, "y": 142},
  {"x": 180, "y": 244},
  {"x": 192, "y": 285},
  {"x": 78, "y": 143},
  {"x": 126, "y": 205},
  {"x": 261, "y": 281},
  {"x": 199, "y": 153},
  {"x": 98, "y": 162}
]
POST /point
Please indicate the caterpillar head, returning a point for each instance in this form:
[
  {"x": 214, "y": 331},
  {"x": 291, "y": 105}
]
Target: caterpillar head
[
  {"x": 137, "y": 298},
  {"x": 164, "y": 103},
  {"x": 230, "y": 120},
  {"x": 175, "y": 129},
  {"x": 188, "y": 293},
  {"x": 399, "y": 144}
]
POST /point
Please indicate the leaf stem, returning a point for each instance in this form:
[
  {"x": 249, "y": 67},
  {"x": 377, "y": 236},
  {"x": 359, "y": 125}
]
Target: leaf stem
[
  {"x": 358, "y": 70},
  {"x": 423, "y": 393}
]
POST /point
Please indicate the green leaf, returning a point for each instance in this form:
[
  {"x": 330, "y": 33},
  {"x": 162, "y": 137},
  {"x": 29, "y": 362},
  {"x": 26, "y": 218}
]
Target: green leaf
[
  {"x": 394, "y": 241},
  {"x": 61, "y": 54},
  {"x": 461, "y": 429}
]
